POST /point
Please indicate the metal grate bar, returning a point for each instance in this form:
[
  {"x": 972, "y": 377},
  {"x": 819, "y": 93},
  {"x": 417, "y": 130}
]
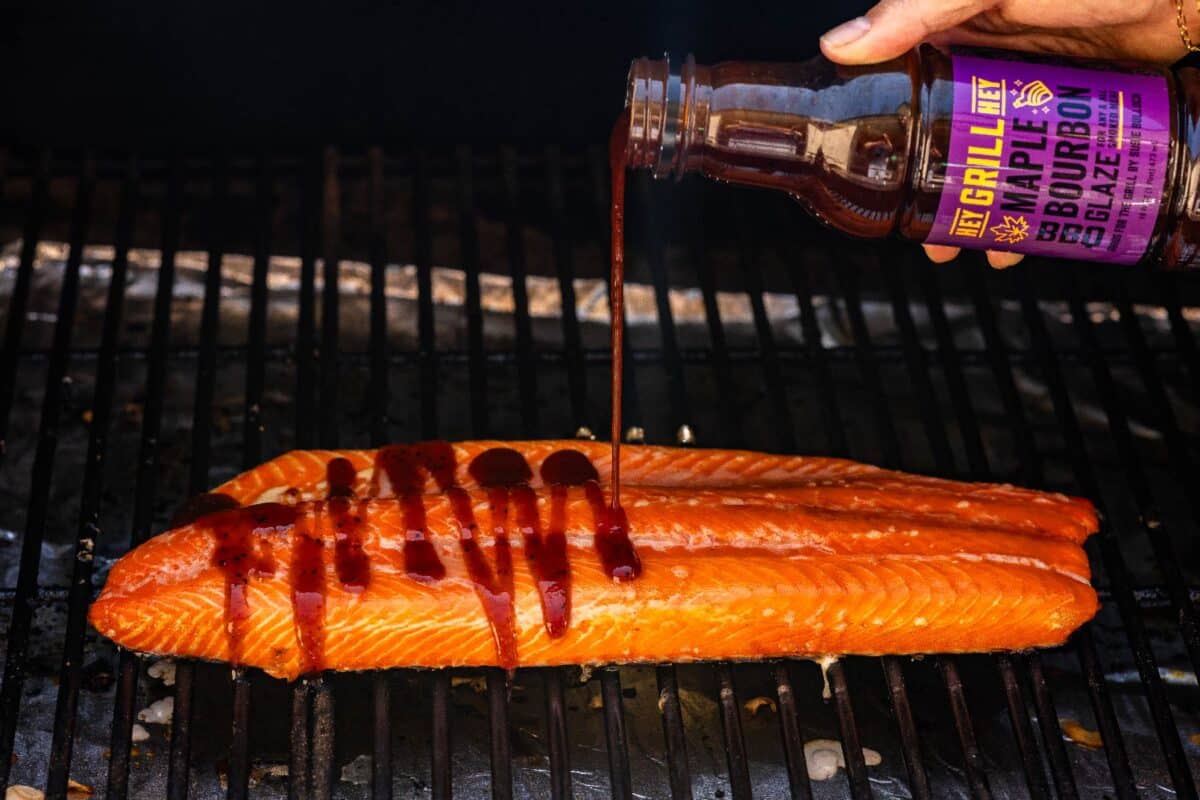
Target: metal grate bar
[
  {"x": 306, "y": 344},
  {"x": 1031, "y": 468},
  {"x": 299, "y": 787},
  {"x": 1106, "y": 718},
  {"x": 956, "y": 382},
  {"x": 977, "y": 466},
  {"x": 89, "y": 532},
  {"x": 178, "y": 764},
  {"x": 57, "y": 381},
  {"x": 15, "y": 324},
  {"x": 423, "y": 258},
  {"x": 1019, "y": 715},
  {"x": 856, "y": 767},
  {"x": 239, "y": 746},
  {"x": 440, "y": 766},
  {"x": 917, "y": 362},
  {"x": 501, "y": 745},
  {"x": 553, "y": 679},
  {"x": 1047, "y": 714},
  {"x": 440, "y": 735},
  {"x": 556, "y": 733},
  {"x": 751, "y": 269},
  {"x": 322, "y": 738},
  {"x": 972, "y": 759},
  {"x": 1118, "y": 575},
  {"x": 379, "y": 386},
  {"x": 1174, "y": 440},
  {"x": 147, "y": 471},
  {"x": 381, "y": 736},
  {"x": 564, "y": 266},
  {"x": 793, "y": 740},
  {"x": 256, "y": 352},
  {"x": 322, "y": 706},
  {"x": 679, "y": 408},
  {"x": 999, "y": 354},
  {"x": 331, "y": 218},
  {"x": 298, "y": 781},
  {"x": 468, "y": 256},
  {"x": 730, "y": 431},
  {"x": 1180, "y": 332},
  {"x": 868, "y": 368},
  {"x": 789, "y": 354},
  {"x": 731, "y": 727},
  {"x": 1139, "y": 484},
  {"x": 678, "y": 774},
  {"x": 380, "y": 395},
  {"x": 515, "y": 244},
  {"x": 614, "y": 734},
  {"x": 910, "y": 742}
]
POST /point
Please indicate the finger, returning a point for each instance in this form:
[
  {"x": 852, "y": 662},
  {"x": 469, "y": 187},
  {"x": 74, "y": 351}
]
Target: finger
[
  {"x": 1003, "y": 260},
  {"x": 940, "y": 253},
  {"x": 893, "y": 27}
]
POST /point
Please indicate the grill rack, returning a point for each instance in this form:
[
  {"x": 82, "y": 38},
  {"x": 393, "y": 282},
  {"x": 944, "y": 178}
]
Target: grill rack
[{"x": 1043, "y": 755}]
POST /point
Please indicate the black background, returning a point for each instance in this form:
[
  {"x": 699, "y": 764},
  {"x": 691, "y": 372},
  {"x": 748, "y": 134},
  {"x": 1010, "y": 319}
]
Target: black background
[{"x": 258, "y": 74}]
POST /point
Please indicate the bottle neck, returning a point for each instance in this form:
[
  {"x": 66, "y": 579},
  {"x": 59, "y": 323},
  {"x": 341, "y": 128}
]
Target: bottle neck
[
  {"x": 667, "y": 112},
  {"x": 835, "y": 138}
]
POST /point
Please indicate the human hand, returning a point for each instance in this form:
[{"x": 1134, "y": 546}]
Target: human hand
[{"x": 1142, "y": 30}]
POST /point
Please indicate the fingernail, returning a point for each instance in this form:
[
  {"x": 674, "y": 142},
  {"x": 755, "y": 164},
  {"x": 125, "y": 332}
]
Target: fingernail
[
  {"x": 1002, "y": 259},
  {"x": 847, "y": 32}
]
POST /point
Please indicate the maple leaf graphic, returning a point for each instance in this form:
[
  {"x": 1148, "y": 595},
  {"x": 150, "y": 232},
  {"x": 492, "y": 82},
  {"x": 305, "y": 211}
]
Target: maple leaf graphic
[{"x": 1012, "y": 231}]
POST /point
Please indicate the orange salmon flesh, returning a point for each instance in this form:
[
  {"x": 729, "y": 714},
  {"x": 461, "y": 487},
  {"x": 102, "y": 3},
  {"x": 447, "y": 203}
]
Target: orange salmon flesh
[{"x": 409, "y": 556}]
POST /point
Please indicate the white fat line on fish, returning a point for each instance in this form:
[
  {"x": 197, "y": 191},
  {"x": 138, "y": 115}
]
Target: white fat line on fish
[{"x": 1021, "y": 561}]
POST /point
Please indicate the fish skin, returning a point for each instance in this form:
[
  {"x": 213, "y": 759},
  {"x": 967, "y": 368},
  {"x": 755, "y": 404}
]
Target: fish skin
[{"x": 774, "y": 564}]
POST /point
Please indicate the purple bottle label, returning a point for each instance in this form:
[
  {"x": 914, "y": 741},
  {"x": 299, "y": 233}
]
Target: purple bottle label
[{"x": 1054, "y": 160}]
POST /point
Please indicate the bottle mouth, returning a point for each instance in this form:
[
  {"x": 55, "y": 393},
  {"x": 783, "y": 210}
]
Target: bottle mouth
[{"x": 654, "y": 97}]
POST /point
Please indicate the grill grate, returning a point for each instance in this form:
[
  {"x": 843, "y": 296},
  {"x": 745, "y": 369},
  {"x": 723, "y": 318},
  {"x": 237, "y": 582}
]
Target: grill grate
[{"x": 878, "y": 396}]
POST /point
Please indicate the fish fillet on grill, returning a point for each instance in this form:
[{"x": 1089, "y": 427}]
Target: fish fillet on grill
[{"x": 409, "y": 558}]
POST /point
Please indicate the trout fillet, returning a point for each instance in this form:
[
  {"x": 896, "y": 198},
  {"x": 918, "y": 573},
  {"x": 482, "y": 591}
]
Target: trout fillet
[{"x": 507, "y": 554}]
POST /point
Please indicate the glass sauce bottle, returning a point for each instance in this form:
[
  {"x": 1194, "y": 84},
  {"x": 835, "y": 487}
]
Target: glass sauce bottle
[{"x": 977, "y": 149}]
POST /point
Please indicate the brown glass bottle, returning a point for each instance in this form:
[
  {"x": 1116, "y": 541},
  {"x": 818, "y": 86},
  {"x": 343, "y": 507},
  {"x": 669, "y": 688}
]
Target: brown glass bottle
[{"x": 976, "y": 149}]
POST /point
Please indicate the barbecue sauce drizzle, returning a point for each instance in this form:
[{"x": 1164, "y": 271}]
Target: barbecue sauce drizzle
[
  {"x": 612, "y": 530},
  {"x": 350, "y": 561},
  {"x": 240, "y": 553},
  {"x": 405, "y": 467},
  {"x": 506, "y": 474}
]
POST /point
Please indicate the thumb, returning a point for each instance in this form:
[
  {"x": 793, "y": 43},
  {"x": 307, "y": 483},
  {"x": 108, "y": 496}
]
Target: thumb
[{"x": 893, "y": 27}]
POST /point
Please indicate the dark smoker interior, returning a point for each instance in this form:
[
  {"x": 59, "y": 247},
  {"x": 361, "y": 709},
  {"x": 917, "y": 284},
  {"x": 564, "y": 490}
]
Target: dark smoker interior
[{"x": 227, "y": 231}]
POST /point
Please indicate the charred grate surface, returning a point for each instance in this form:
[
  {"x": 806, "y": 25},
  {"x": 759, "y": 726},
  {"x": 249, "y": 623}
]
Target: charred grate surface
[{"x": 170, "y": 321}]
